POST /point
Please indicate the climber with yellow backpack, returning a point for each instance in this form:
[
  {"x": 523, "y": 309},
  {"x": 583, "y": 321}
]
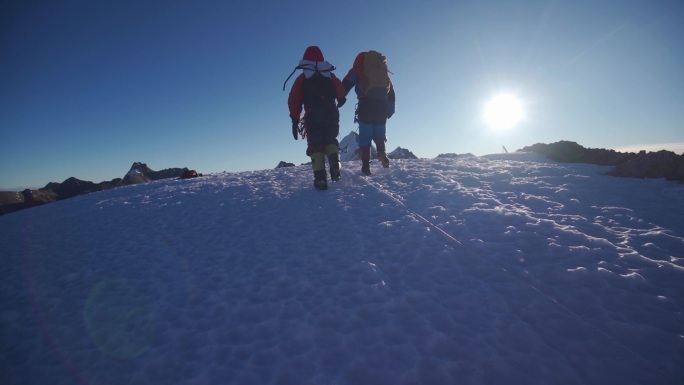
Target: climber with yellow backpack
[{"x": 369, "y": 77}]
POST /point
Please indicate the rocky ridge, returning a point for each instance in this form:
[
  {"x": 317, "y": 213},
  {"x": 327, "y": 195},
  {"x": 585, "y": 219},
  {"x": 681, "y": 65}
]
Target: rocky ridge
[
  {"x": 661, "y": 164},
  {"x": 11, "y": 201}
]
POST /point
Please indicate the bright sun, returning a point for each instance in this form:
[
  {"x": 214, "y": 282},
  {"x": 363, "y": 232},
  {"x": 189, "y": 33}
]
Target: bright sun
[{"x": 503, "y": 111}]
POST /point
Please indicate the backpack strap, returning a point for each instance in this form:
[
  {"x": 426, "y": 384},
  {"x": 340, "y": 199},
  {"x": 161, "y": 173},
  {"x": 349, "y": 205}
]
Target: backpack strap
[
  {"x": 307, "y": 67},
  {"x": 316, "y": 69}
]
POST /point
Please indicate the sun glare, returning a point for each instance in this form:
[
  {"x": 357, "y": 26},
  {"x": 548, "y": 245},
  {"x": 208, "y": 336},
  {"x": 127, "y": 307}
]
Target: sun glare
[{"x": 503, "y": 111}]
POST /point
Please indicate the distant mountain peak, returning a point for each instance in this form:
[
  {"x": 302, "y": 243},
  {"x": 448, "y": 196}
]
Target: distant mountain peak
[
  {"x": 140, "y": 167},
  {"x": 451, "y": 155},
  {"x": 349, "y": 150},
  {"x": 401, "y": 153},
  {"x": 349, "y": 147},
  {"x": 284, "y": 164}
]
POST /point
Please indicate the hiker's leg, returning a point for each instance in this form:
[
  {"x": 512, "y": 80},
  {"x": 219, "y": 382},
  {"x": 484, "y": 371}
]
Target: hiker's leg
[
  {"x": 315, "y": 149},
  {"x": 333, "y": 152},
  {"x": 365, "y": 138},
  {"x": 314, "y": 140},
  {"x": 365, "y": 134},
  {"x": 379, "y": 137},
  {"x": 365, "y": 160},
  {"x": 318, "y": 165}
]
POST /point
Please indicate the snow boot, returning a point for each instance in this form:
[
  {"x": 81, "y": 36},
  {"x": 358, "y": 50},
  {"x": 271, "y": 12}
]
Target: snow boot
[
  {"x": 320, "y": 180},
  {"x": 334, "y": 161},
  {"x": 384, "y": 160},
  {"x": 365, "y": 168},
  {"x": 382, "y": 156},
  {"x": 365, "y": 160}
]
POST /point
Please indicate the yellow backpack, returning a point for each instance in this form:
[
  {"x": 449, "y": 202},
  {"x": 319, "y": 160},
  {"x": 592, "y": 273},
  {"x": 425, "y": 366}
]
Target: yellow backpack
[{"x": 376, "y": 74}]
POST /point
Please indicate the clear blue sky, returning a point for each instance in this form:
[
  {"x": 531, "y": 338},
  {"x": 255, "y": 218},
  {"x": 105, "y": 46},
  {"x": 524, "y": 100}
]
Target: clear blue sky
[{"x": 89, "y": 87}]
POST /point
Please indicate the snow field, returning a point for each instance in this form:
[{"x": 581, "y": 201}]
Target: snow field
[{"x": 548, "y": 273}]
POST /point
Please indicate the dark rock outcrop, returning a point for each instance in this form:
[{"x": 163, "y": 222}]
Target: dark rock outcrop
[
  {"x": 401, "y": 153},
  {"x": 140, "y": 173},
  {"x": 454, "y": 156},
  {"x": 135, "y": 177},
  {"x": 11, "y": 201},
  {"x": 137, "y": 174},
  {"x": 73, "y": 187},
  {"x": 39, "y": 197},
  {"x": 167, "y": 173},
  {"x": 141, "y": 167},
  {"x": 116, "y": 182},
  {"x": 447, "y": 156},
  {"x": 661, "y": 164},
  {"x": 284, "y": 164},
  {"x": 571, "y": 152}
]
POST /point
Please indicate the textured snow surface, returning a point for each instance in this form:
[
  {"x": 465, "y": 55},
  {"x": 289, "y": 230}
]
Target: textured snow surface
[{"x": 505, "y": 269}]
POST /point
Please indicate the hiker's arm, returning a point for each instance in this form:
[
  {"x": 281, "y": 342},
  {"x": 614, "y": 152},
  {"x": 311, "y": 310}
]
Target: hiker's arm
[
  {"x": 294, "y": 101},
  {"x": 350, "y": 81},
  {"x": 390, "y": 101},
  {"x": 339, "y": 91}
]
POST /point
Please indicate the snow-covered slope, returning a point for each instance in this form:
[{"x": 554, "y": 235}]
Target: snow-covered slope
[{"x": 492, "y": 270}]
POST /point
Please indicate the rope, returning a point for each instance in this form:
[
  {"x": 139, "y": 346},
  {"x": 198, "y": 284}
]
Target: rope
[
  {"x": 422, "y": 218},
  {"x": 302, "y": 131}
]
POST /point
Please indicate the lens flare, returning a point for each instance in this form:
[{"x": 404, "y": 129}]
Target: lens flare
[{"x": 118, "y": 319}]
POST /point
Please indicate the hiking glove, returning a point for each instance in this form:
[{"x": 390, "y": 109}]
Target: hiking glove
[{"x": 340, "y": 102}]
